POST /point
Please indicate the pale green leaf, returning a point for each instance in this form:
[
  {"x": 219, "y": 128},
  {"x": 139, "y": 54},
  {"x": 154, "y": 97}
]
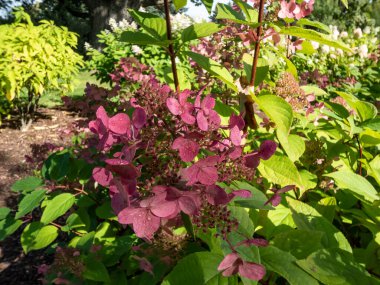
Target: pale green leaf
[
  {"x": 29, "y": 202},
  {"x": 283, "y": 263},
  {"x": 200, "y": 30},
  {"x": 57, "y": 207},
  {"x": 36, "y": 236},
  {"x": 279, "y": 169},
  {"x": 313, "y": 36},
  {"x": 356, "y": 184},
  {"x": 213, "y": 68},
  {"x": 308, "y": 218},
  {"x": 336, "y": 267}
]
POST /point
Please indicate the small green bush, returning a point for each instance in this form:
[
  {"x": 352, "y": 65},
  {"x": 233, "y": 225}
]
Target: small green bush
[{"x": 35, "y": 59}]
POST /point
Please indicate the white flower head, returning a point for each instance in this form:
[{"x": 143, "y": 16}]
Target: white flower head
[
  {"x": 367, "y": 30},
  {"x": 315, "y": 44},
  {"x": 344, "y": 34},
  {"x": 363, "y": 51},
  {"x": 325, "y": 49},
  {"x": 358, "y": 33},
  {"x": 136, "y": 49}
]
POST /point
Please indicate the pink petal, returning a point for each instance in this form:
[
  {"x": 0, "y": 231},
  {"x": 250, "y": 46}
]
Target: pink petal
[
  {"x": 242, "y": 193},
  {"x": 173, "y": 106},
  {"x": 183, "y": 96},
  {"x": 139, "y": 118},
  {"x": 102, "y": 176},
  {"x": 101, "y": 114},
  {"x": 125, "y": 216},
  {"x": 202, "y": 121},
  {"x": 236, "y": 153},
  {"x": 208, "y": 102},
  {"x": 252, "y": 160},
  {"x": 165, "y": 208},
  {"x": 188, "y": 149},
  {"x": 235, "y": 135},
  {"x": 120, "y": 124},
  {"x": 267, "y": 149},
  {"x": 208, "y": 175},
  {"x": 214, "y": 119},
  {"x": 145, "y": 224},
  {"x": 228, "y": 261},
  {"x": 188, "y": 118},
  {"x": 252, "y": 270},
  {"x": 187, "y": 205}
]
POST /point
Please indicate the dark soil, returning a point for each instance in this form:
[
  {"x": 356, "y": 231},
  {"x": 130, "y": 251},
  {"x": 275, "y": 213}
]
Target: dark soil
[{"x": 21, "y": 153}]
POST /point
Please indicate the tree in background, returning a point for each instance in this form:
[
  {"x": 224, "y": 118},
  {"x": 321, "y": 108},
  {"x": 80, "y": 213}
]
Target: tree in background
[
  {"x": 85, "y": 17},
  {"x": 360, "y": 13}
]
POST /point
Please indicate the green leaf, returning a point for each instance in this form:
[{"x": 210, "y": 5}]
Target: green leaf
[
  {"x": 197, "y": 268},
  {"x": 140, "y": 38},
  {"x": 257, "y": 200},
  {"x": 200, "y": 30},
  {"x": 8, "y": 226},
  {"x": 224, "y": 11},
  {"x": 58, "y": 206},
  {"x": 279, "y": 169},
  {"x": 369, "y": 138},
  {"x": 208, "y": 5},
  {"x": 27, "y": 184},
  {"x": 153, "y": 24},
  {"x": 278, "y": 110},
  {"x": 4, "y": 211},
  {"x": 29, "y": 202},
  {"x": 365, "y": 110},
  {"x": 56, "y": 166},
  {"x": 178, "y": 4},
  {"x": 105, "y": 211},
  {"x": 345, "y": 3},
  {"x": 313, "y": 36},
  {"x": 356, "y": 184},
  {"x": 335, "y": 267},
  {"x": 306, "y": 22},
  {"x": 36, "y": 236},
  {"x": 293, "y": 145},
  {"x": 261, "y": 70},
  {"x": 313, "y": 89},
  {"x": 307, "y": 218},
  {"x": 246, "y": 226},
  {"x": 213, "y": 68},
  {"x": 299, "y": 243},
  {"x": 95, "y": 270},
  {"x": 252, "y": 15},
  {"x": 283, "y": 263}
]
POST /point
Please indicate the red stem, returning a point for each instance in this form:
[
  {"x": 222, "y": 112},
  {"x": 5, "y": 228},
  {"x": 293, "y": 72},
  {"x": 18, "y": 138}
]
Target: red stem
[
  {"x": 257, "y": 44},
  {"x": 171, "y": 48}
]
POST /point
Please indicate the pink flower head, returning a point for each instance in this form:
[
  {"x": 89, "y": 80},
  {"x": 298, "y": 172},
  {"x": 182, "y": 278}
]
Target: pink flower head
[
  {"x": 233, "y": 264},
  {"x": 275, "y": 200},
  {"x": 203, "y": 171},
  {"x": 188, "y": 149},
  {"x": 266, "y": 150},
  {"x": 181, "y": 107},
  {"x": 288, "y": 9},
  {"x": 306, "y": 9},
  {"x": 206, "y": 116}
]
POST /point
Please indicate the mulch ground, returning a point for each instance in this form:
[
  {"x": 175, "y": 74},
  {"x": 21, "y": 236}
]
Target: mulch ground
[{"x": 21, "y": 153}]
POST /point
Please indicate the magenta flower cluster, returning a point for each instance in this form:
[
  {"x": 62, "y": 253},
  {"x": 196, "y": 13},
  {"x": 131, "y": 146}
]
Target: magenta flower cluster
[{"x": 183, "y": 130}]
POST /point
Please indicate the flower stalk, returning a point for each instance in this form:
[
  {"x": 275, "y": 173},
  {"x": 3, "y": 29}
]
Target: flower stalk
[{"x": 171, "y": 47}]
